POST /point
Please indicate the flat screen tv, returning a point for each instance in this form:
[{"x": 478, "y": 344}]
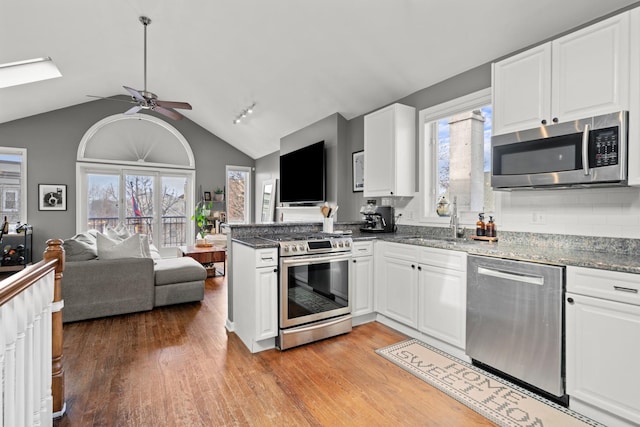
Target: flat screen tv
[{"x": 302, "y": 175}]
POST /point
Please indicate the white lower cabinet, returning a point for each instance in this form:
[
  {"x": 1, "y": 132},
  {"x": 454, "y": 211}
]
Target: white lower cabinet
[
  {"x": 362, "y": 279},
  {"x": 603, "y": 343},
  {"x": 442, "y": 295},
  {"x": 255, "y": 296},
  {"x": 424, "y": 288},
  {"x": 397, "y": 282}
]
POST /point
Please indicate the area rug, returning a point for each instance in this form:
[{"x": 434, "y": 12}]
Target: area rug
[{"x": 496, "y": 399}]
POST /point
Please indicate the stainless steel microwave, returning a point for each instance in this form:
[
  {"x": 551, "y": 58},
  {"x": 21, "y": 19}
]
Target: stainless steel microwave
[{"x": 581, "y": 153}]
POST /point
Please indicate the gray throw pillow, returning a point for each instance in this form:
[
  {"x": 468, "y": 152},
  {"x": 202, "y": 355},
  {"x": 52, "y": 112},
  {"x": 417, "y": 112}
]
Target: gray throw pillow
[{"x": 79, "y": 250}]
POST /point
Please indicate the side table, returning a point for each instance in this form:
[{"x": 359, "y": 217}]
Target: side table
[{"x": 207, "y": 256}]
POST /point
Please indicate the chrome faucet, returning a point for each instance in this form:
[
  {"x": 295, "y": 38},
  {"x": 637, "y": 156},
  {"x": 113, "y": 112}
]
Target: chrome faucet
[{"x": 454, "y": 224}]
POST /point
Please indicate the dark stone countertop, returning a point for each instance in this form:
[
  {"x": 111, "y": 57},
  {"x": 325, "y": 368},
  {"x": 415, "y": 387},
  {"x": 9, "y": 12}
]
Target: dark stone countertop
[{"x": 592, "y": 252}]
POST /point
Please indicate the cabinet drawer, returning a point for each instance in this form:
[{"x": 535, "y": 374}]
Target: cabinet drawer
[
  {"x": 400, "y": 251},
  {"x": 611, "y": 285},
  {"x": 443, "y": 258},
  {"x": 362, "y": 248},
  {"x": 266, "y": 257}
]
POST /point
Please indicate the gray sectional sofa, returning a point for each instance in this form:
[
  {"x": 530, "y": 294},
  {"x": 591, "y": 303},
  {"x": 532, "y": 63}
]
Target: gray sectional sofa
[{"x": 123, "y": 281}]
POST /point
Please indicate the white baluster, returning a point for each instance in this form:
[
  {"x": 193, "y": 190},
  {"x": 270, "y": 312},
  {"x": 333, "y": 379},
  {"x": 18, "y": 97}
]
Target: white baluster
[
  {"x": 21, "y": 357},
  {"x": 46, "y": 411},
  {"x": 2, "y": 350},
  {"x": 9, "y": 387}
]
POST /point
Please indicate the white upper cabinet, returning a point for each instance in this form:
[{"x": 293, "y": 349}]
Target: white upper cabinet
[
  {"x": 582, "y": 74},
  {"x": 390, "y": 152},
  {"x": 522, "y": 90}
]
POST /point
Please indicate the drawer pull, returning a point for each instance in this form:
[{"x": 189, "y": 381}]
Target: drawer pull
[
  {"x": 267, "y": 259},
  {"x": 623, "y": 289}
]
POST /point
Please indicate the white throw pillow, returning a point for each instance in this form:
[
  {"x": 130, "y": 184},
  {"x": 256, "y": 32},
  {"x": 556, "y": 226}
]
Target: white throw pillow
[
  {"x": 120, "y": 232},
  {"x": 130, "y": 247}
]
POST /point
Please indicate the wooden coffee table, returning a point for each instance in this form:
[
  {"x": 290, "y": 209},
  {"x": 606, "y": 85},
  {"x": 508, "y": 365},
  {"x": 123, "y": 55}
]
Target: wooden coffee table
[{"x": 208, "y": 256}]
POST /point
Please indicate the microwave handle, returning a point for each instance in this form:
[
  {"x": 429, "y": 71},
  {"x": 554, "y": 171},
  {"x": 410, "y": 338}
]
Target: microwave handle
[{"x": 585, "y": 150}]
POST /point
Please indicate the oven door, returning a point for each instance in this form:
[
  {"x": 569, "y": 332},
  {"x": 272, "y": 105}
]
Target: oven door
[{"x": 313, "y": 288}]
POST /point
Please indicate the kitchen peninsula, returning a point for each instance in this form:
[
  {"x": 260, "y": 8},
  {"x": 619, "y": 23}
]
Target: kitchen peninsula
[{"x": 419, "y": 258}]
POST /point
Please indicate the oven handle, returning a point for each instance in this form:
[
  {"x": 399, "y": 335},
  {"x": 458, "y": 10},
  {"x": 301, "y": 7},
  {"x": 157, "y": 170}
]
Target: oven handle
[
  {"x": 316, "y": 325},
  {"x": 516, "y": 277},
  {"x": 314, "y": 259}
]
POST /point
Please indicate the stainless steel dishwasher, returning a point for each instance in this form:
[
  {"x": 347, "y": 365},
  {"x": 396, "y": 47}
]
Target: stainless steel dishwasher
[{"x": 515, "y": 320}]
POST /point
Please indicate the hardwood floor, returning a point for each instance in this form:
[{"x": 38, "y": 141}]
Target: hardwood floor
[{"x": 178, "y": 366}]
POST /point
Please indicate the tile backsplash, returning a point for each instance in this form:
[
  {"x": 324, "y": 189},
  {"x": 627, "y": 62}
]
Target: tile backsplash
[{"x": 608, "y": 212}]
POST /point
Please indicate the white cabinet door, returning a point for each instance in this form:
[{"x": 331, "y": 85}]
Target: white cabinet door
[
  {"x": 266, "y": 303},
  {"x": 590, "y": 71},
  {"x": 389, "y": 152},
  {"x": 603, "y": 343},
  {"x": 522, "y": 90},
  {"x": 255, "y": 295},
  {"x": 442, "y": 304},
  {"x": 582, "y": 74},
  {"x": 362, "y": 282},
  {"x": 633, "y": 155},
  {"x": 398, "y": 297}
]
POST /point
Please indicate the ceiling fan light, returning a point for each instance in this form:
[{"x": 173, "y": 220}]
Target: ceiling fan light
[{"x": 29, "y": 71}]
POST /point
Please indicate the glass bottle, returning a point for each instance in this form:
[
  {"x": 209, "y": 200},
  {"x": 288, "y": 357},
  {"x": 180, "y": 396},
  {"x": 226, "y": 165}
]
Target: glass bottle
[
  {"x": 491, "y": 228},
  {"x": 480, "y": 225}
]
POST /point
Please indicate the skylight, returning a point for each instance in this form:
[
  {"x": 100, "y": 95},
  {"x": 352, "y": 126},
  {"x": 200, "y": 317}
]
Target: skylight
[{"x": 29, "y": 71}]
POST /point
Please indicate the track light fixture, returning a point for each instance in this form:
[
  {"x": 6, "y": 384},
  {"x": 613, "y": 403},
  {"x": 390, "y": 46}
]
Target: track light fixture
[{"x": 244, "y": 113}]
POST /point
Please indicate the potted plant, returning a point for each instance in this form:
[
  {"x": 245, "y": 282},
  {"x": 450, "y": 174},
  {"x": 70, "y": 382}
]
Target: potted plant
[
  {"x": 200, "y": 214},
  {"x": 218, "y": 194}
]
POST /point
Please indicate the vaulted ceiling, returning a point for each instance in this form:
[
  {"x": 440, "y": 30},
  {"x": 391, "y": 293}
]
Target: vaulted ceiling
[{"x": 300, "y": 61}]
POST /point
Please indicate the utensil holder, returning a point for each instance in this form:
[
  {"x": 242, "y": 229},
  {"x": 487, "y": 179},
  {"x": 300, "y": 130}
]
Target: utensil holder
[{"x": 327, "y": 225}]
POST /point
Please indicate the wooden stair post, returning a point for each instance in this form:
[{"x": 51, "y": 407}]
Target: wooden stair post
[{"x": 56, "y": 251}]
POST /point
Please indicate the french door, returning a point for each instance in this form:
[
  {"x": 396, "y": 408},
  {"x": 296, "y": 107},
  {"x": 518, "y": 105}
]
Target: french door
[{"x": 156, "y": 202}]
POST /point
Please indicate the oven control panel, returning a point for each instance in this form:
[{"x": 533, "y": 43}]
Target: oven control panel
[{"x": 319, "y": 246}]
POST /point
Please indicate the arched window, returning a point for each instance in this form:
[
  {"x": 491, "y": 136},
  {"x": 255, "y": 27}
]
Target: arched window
[{"x": 138, "y": 170}]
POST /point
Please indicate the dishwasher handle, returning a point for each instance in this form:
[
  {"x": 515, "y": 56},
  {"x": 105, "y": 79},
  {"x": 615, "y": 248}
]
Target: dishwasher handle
[{"x": 508, "y": 275}]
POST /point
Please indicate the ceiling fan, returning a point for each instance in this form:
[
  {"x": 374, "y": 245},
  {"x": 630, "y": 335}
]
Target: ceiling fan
[{"x": 146, "y": 100}]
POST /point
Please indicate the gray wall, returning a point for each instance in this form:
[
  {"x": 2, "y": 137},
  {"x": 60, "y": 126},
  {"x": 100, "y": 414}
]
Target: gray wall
[
  {"x": 52, "y": 139},
  {"x": 344, "y": 137},
  {"x": 332, "y": 131}
]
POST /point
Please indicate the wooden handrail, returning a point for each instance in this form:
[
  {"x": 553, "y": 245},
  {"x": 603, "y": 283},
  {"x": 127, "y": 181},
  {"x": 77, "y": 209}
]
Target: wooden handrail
[
  {"x": 20, "y": 281},
  {"x": 53, "y": 260}
]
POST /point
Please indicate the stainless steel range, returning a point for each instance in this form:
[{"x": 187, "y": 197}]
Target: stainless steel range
[{"x": 314, "y": 287}]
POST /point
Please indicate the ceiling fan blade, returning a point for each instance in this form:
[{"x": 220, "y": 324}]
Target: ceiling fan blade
[
  {"x": 133, "y": 110},
  {"x": 173, "y": 104},
  {"x": 135, "y": 94},
  {"x": 112, "y": 99},
  {"x": 168, "y": 112}
]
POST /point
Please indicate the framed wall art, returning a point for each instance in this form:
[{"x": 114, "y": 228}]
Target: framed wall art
[
  {"x": 52, "y": 197},
  {"x": 358, "y": 171},
  {"x": 207, "y": 196}
]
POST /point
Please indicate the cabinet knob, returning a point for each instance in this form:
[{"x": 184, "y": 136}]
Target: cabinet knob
[
  {"x": 413, "y": 266},
  {"x": 555, "y": 120},
  {"x": 544, "y": 122},
  {"x": 570, "y": 300},
  {"x": 275, "y": 270},
  {"x": 419, "y": 268},
  {"x": 354, "y": 261}
]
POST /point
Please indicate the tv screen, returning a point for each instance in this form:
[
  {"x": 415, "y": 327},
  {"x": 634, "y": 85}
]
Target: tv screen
[{"x": 302, "y": 175}]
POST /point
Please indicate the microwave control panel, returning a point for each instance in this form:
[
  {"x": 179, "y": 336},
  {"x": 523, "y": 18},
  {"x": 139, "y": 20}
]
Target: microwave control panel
[{"x": 603, "y": 150}]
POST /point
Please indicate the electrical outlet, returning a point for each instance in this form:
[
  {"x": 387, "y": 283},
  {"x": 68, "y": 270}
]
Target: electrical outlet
[{"x": 538, "y": 217}]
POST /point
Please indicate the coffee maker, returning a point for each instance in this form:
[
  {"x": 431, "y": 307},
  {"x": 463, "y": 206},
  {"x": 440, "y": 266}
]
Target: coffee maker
[{"x": 378, "y": 219}]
